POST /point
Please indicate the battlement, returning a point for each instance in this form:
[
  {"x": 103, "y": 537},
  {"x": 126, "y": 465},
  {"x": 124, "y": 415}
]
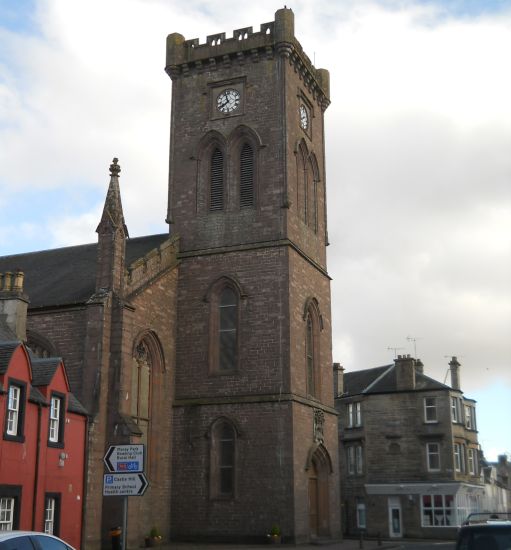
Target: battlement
[
  {"x": 184, "y": 57},
  {"x": 145, "y": 269}
]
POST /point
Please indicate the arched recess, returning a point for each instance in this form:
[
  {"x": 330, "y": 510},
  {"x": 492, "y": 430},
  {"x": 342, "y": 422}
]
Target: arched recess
[
  {"x": 313, "y": 326},
  {"x": 319, "y": 467},
  {"x": 223, "y": 435},
  {"x": 147, "y": 369},
  {"x": 212, "y": 173},
  {"x": 40, "y": 346},
  {"x": 244, "y": 145},
  {"x": 302, "y": 165},
  {"x": 314, "y": 193},
  {"x": 224, "y": 297}
]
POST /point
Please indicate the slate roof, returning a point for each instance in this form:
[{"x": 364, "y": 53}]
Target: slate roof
[
  {"x": 383, "y": 380},
  {"x": 73, "y": 405},
  {"x": 43, "y": 369},
  {"x": 6, "y": 351},
  {"x": 67, "y": 276},
  {"x": 36, "y": 396}
]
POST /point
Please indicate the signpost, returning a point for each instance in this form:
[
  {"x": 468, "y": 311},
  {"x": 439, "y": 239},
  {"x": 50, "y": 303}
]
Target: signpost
[
  {"x": 126, "y": 478},
  {"x": 125, "y": 458},
  {"x": 124, "y": 485}
]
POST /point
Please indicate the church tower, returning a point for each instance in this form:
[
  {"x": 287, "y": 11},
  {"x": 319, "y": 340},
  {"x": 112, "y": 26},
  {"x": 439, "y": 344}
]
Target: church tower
[{"x": 255, "y": 429}]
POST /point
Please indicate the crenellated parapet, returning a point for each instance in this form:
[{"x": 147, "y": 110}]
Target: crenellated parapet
[
  {"x": 147, "y": 268},
  {"x": 188, "y": 57}
]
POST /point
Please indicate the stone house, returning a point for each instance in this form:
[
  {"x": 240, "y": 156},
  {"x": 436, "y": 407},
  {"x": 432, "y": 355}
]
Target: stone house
[{"x": 409, "y": 454}]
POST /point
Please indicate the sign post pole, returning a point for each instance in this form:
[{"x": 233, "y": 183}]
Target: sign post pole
[{"x": 124, "y": 523}]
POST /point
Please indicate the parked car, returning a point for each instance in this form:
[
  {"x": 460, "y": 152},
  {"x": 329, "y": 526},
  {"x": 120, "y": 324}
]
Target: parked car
[
  {"x": 30, "y": 540},
  {"x": 485, "y": 531}
]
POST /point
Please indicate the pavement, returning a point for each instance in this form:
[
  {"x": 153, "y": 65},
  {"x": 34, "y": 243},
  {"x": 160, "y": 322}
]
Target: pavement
[{"x": 345, "y": 544}]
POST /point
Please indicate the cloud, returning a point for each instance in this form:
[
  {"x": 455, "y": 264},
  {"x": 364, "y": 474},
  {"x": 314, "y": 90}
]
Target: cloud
[{"x": 418, "y": 166}]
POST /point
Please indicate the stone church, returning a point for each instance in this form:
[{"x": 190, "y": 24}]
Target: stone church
[{"x": 211, "y": 344}]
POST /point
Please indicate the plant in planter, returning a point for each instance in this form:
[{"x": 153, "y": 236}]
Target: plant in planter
[
  {"x": 153, "y": 538},
  {"x": 275, "y": 534}
]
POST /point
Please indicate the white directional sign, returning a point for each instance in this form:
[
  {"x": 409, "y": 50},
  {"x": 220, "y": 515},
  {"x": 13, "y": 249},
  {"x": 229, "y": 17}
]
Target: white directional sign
[
  {"x": 125, "y": 458},
  {"x": 124, "y": 485}
]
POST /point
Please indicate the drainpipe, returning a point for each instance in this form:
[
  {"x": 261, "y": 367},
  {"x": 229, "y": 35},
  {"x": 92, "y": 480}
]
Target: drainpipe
[{"x": 36, "y": 476}]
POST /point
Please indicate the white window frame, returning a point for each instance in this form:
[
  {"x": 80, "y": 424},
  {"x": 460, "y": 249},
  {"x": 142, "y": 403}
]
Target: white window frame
[
  {"x": 439, "y": 513},
  {"x": 361, "y": 515},
  {"x": 454, "y": 410},
  {"x": 470, "y": 417},
  {"x": 431, "y": 454},
  {"x": 457, "y": 457},
  {"x": 430, "y": 408},
  {"x": 49, "y": 515},
  {"x": 354, "y": 415},
  {"x": 350, "y": 456},
  {"x": 359, "y": 459},
  {"x": 55, "y": 418},
  {"x": 13, "y": 409},
  {"x": 471, "y": 459},
  {"x": 7, "y": 505}
]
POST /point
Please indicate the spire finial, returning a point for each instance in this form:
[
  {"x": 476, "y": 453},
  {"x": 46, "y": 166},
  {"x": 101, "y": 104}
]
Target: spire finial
[{"x": 114, "y": 167}]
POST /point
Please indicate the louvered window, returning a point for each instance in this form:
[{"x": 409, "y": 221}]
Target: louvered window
[
  {"x": 246, "y": 176},
  {"x": 216, "y": 201}
]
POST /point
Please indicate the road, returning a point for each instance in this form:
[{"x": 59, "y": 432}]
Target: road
[{"x": 426, "y": 546}]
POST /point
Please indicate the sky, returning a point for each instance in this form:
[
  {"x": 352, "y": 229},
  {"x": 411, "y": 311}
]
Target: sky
[{"x": 418, "y": 145}]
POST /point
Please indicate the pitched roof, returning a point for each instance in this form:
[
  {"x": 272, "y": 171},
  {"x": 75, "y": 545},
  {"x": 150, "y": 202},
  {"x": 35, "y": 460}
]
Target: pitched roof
[
  {"x": 43, "y": 370},
  {"x": 6, "y": 351},
  {"x": 73, "y": 405},
  {"x": 36, "y": 396},
  {"x": 383, "y": 380},
  {"x": 66, "y": 276}
]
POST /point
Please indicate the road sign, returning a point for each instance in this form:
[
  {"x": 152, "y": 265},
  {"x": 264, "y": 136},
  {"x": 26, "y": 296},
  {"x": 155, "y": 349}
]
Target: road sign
[
  {"x": 124, "y": 485},
  {"x": 125, "y": 458}
]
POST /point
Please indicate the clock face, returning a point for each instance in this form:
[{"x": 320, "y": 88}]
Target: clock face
[
  {"x": 228, "y": 101},
  {"x": 304, "y": 118}
]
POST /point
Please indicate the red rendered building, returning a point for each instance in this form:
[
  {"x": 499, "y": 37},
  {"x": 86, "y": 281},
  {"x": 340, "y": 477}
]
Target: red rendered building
[{"x": 42, "y": 446}]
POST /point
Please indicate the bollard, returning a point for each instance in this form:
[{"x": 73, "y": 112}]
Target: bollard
[
  {"x": 379, "y": 538},
  {"x": 115, "y": 535},
  {"x": 361, "y": 542}
]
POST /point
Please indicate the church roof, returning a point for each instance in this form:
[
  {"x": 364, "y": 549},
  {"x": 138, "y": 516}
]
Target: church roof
[
  {"x": 66, "y": 276},
  {"x": 383, "y": 380}
]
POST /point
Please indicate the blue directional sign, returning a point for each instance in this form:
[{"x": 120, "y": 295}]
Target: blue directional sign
[
  {"x": 124, "y": 485},
  {"x": 125, "y": 458}
]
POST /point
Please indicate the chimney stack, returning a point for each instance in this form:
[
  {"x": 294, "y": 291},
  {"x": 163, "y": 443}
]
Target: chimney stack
[
  {"x": 338, "y": 380},
  {"x": 14, "y": 303},
  {"x": 405, "y": 372},
  {"x": 455, "y": 373},
  {"x": 419, "y": 366}
]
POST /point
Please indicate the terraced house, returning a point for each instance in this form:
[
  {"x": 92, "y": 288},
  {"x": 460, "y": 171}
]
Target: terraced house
[{"x": 409, "y": 451}]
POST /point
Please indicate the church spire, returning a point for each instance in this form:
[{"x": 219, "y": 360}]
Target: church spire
[
  {"x": 113, "y": 216},
  {"x": 112, "y": 233}
]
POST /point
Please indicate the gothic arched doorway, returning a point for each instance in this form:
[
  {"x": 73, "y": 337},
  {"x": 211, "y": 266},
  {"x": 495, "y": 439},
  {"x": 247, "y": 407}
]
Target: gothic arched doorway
[{"x": 319, "y": 469}]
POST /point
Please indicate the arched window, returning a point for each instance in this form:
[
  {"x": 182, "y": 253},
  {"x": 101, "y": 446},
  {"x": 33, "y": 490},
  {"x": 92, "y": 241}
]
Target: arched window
[
  {"x": 141, "y": 389},
  {"x": 227, "y": 330},
  {"x": 216, "y": 197},
  {"x": 309, "y": 353},
  {"x": 246, "y": 176},
  {"x": 312, "y": 320},
  {"x": 223, "y": 459}
]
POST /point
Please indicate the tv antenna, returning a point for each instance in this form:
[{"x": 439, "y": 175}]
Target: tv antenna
[
  {"x": 394, "y": 350},
  {"x": 414, "y": 340}
]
